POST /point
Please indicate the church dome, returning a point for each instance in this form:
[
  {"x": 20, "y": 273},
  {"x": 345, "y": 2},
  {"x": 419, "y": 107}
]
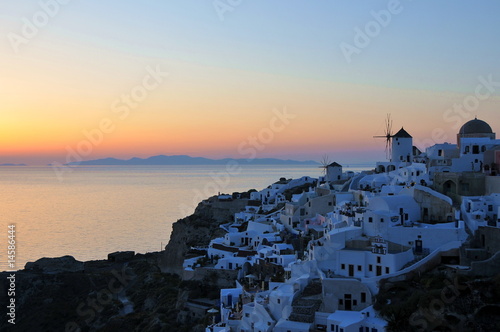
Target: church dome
[{"x": 475, "y": 127}]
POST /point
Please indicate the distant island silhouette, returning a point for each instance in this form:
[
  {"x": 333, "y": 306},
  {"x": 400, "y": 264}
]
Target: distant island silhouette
[
  {"x": 187, "y": 160},
  {"x": 12, "y": 164}
]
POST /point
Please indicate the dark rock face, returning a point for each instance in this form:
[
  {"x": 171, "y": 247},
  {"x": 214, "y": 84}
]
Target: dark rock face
[
  {"x": 55, "y": 265},
  {"x": 441, "y": 300},
  {"x": 198, "y": 229},
  {"x": 104, "y": 296},
  {"x": 120, "y": 256}
]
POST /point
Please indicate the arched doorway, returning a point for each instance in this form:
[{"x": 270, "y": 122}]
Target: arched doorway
[{"x": 449, "y": 187}]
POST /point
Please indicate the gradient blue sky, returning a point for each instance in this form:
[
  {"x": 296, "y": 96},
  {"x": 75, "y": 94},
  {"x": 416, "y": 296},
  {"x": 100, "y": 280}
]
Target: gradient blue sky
[{"x": 226, "y": 76}]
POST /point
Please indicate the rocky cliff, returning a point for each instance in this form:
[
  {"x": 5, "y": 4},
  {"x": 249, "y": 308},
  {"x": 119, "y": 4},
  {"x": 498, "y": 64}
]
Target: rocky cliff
[
  {"x": 198, "y": 229},
  {"x": 124, "y": 293}
]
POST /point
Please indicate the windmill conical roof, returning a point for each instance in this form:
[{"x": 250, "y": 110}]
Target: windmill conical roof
[{"x": 402, "y": 133}]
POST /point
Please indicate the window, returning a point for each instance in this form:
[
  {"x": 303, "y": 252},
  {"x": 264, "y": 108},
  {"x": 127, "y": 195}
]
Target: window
[
  {"x": 440, "y": 153},
  {"x": 342, "y": 266},
  {"x": 379, "y": 259},
  {"x": 386, "y": 270},
  {"x": 475, "y": 149},
  {"x": 381, "y": 219},
  {"x": 467, "y": 149},
  {"x": 341, "y": 302},
  {"x": 332, "y": 327},
  {"x": 490, "y": 208},
  {"x": 247, "y": 315},
  {"x": 363, "y": 297},
  {"x": 370, "y": 268},
  {"x": 354, "y": 302},
  {"x": 359, "y": 267},
  {"x": 279, "y": 301}
]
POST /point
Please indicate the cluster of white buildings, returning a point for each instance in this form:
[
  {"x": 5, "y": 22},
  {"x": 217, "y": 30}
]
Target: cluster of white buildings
[{"x": 315, "y": 261}]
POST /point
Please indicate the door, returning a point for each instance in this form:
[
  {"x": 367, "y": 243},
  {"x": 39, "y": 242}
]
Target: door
[
  {"x": 418, "y": 246},
  {"x": 351, "y": 270},
  {"x": 379, "y": 270},
  {"x": 347, "y": 302}
]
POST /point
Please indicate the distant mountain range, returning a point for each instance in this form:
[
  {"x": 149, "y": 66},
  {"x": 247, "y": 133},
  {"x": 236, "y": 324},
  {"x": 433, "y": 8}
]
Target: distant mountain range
[
  {"x": 12, "y": 164},
  {"x": 187, "y": 160}
]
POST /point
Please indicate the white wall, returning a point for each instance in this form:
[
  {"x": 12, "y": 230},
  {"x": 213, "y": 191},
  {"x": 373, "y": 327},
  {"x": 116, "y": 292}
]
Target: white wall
[{"x": 432, "y": 236}]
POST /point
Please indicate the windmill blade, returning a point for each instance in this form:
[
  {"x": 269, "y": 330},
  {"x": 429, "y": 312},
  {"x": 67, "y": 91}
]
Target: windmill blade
[
  {"x": 325, "y": 161},
  {"x": 389, "y": 125},
  {"x": 388, "y": 136}
]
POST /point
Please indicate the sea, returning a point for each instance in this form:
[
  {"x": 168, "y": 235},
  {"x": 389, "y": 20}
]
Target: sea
[{"x": 90, "y": 211}]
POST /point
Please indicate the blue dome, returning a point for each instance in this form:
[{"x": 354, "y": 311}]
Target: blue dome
[{"x": 475, "y": 127}]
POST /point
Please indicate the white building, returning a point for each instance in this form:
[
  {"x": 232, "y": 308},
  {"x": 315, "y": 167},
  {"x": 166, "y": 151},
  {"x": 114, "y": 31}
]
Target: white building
[
  {"x": 355, "y": 321},
  {"x": 481, "y": 211},
  {"x": 333, "y": 172},
  {"x": 402, "y": 147},
  {"x": 363, "y": 258}
]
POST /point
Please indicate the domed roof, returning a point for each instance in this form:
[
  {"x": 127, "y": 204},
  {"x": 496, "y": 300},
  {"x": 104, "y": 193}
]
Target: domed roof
[{"x": 475, "y": 127}]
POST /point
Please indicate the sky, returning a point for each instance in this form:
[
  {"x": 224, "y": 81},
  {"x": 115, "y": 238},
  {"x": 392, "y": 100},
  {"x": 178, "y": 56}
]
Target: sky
[{"x": 237, "y": 78}]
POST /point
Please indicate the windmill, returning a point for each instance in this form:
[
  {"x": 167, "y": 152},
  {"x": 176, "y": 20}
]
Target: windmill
[
  {"x": 388, "y": 136},
  {"x": 325, "y": 161}
]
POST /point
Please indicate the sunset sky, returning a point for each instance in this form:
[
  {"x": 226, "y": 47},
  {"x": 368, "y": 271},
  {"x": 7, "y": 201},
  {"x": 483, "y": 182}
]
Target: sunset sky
[{"x": 68, "y": 67}]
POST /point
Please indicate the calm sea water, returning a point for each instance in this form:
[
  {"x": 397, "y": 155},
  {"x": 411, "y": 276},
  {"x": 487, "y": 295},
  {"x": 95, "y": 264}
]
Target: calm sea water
[{"x": 97, "y": 210}]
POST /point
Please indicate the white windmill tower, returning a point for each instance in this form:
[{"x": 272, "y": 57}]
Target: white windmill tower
[{"x": 332, "y": 171}]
